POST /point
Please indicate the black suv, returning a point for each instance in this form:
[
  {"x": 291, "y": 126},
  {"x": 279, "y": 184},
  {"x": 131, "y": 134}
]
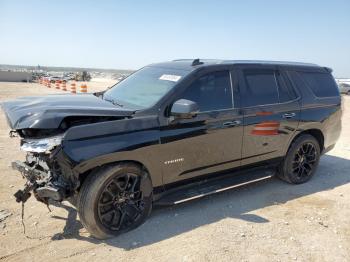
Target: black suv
[{"x": 173, "y": 132}]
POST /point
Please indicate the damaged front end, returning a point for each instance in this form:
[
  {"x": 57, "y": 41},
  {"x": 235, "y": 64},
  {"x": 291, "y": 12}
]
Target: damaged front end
[
  {"x": 48, "y": 173},
  {"x": 41, "y": 123}
]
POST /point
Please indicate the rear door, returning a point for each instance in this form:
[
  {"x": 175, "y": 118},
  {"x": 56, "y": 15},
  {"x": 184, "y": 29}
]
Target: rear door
[{"x": 271, "y": 112}]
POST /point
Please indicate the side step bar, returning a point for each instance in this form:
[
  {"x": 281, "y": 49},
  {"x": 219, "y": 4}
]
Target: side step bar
[{"x": 213, "y": 186}]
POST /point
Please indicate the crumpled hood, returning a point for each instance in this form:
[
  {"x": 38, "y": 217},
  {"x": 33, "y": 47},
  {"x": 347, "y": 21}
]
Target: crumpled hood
[{"x": 47, "y": 112}]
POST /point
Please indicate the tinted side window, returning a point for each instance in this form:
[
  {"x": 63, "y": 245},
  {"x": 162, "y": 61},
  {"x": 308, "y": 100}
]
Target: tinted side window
[
  {"x": 261, "y": 87},
  {"x": 211, "y": 91},
  {"x": 285, "y": 91},
  {"x": 321, "y": 84}
]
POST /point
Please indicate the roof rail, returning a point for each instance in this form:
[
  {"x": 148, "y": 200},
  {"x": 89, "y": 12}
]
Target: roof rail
[
  {"x": 194, "y": 61},
  {"x": 179, "y": 60}
]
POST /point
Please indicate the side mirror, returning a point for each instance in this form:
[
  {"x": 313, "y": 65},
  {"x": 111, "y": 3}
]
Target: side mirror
[{"x": 184, "y": 109}]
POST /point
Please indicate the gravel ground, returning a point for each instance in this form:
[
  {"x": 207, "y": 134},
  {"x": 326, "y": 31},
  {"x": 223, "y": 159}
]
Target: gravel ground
[{"x": 267, "y": 221}]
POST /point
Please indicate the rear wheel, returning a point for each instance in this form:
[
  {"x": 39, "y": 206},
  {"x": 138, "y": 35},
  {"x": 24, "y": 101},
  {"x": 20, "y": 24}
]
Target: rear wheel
[
  {"x": 114, "y": 200},
  {"x": 301, "y": 161}
]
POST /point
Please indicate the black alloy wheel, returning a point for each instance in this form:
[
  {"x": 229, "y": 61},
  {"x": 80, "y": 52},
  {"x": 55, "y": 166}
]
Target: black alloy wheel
[
  {"x": 301, "y": 160},
  {"x": 115, "y": 199},
  {"x": 121, "y": 203},
  {"x": 304, "y": 160}
]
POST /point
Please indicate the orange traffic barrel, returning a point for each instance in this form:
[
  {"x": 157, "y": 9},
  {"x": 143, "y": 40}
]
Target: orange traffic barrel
[
  {"x": 64, "y": 87},
  {"x": 83, "y": 88},
  {"x": 48, "y": 84},
  {"x": 73, "y": 88},
  {"x": 57, "y": 84}
]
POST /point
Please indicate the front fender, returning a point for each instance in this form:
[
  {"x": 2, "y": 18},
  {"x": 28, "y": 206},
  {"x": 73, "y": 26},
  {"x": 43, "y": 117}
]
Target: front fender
[{"x": 94, "y": 145}]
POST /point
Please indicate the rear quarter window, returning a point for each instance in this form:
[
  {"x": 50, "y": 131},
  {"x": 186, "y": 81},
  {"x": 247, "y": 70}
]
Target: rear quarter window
[{"x": 321, "y": 84}]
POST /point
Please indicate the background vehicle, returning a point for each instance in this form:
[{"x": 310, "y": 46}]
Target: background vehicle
[
  {"x": 53, "y": 79},
  {"x": 172, "y": 132},
  {"x": 82, "y": 76},
  {"x": 344, "y": 88}
]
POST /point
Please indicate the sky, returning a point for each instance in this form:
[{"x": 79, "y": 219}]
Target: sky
[{"x": 130, "y": 34}]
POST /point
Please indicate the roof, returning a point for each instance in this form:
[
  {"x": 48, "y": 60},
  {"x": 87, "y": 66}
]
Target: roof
[{"x": 191, "y": 64}]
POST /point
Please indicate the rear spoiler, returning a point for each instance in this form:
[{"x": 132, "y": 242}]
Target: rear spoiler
[{"x": 328, "y": 69}]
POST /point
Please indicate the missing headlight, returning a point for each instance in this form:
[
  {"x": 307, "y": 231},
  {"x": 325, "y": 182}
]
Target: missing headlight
[{"x": 41, "y": 145}]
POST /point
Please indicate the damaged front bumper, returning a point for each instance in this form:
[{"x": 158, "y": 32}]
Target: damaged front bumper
[
  {"x": 41, "y": 183},
  {"x": 49, "y": 177}
]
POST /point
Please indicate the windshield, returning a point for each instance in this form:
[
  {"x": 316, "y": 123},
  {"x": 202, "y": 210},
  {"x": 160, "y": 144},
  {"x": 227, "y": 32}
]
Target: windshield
[{"x": 145, "y": 87}]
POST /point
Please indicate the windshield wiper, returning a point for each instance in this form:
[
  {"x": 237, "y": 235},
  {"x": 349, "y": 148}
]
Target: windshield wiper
[{"x": 114, "y": 102}]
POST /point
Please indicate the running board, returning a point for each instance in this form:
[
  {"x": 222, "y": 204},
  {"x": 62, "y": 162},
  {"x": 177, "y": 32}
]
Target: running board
[{"x": 213, "y": 186}]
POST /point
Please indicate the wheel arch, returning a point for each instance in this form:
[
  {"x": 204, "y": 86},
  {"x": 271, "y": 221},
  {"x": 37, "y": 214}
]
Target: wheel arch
[
  {"x": 315, "y": 132},
  {"x": 83, "y": 175}
]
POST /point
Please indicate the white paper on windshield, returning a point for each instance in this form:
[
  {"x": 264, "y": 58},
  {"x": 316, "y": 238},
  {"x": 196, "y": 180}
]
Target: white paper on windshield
[{"x": 173, "y": 78}]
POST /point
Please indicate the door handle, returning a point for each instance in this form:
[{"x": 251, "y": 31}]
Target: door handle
[
  {"x": 289, "y": 115},
  {"x": 231, "y": 123}
]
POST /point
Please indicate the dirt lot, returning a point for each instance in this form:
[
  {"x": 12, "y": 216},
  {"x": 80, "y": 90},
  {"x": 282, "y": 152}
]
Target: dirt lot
[{"x": 268, "y": 221}]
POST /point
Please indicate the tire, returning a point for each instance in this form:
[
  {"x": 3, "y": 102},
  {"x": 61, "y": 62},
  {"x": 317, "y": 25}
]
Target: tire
[
  {"x": 301, "y": 161},
  {"x": 114, "y": 200}
]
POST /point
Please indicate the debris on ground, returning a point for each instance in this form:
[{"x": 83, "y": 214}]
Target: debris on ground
[
  {"x": 4, "y": 214},
  {"x": 323, "y": 224}
]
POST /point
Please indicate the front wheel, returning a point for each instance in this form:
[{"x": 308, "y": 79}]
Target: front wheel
[
  {"x": 115, "y": 199},
  {"x": 301, "y": 161}
]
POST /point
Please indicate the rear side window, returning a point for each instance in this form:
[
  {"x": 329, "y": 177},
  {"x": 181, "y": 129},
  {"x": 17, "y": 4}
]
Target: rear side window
[
  {"x": 211, "y": 91},
  {"x": 261, "y": 87},
  {"x": 266, "y": 87},
  {"x": 321, "y": 84}
]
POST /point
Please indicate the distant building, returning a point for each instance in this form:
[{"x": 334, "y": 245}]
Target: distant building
[{"x": 12, "y": 76}]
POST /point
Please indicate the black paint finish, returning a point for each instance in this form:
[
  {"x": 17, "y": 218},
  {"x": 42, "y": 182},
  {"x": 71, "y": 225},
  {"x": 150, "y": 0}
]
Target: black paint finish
[
  {"x": 174, "y": 150},
  {"x": 47, "y": 112}
]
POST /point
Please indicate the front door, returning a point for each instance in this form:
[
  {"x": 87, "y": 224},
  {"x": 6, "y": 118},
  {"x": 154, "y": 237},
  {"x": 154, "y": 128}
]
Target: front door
[{"x": 212, "y": 140}]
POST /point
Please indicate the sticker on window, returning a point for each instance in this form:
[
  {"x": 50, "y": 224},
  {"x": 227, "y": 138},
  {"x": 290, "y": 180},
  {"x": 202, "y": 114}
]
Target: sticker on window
[{"x": 173, "y": 78}]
